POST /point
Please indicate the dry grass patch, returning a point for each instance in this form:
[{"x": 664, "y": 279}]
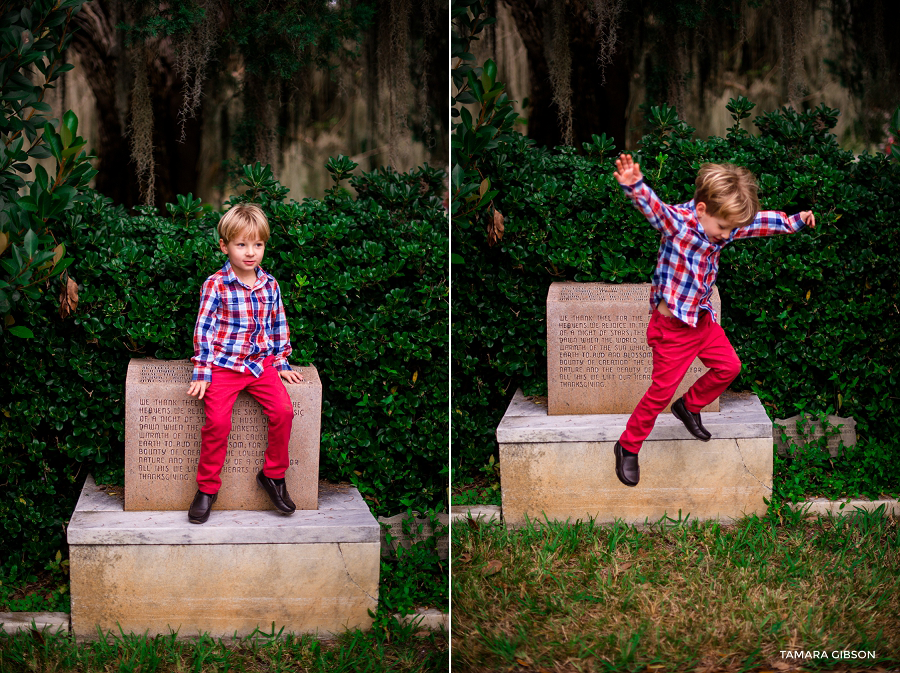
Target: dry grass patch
[{"x": 686, "y": 596}]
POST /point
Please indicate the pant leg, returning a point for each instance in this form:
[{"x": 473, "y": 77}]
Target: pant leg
[
  {"x": 675, "y": 346},
  {"x": 219, "y": 402},
  {"x": 270, "y": 392},
  {"x": 718, "y": 354}
]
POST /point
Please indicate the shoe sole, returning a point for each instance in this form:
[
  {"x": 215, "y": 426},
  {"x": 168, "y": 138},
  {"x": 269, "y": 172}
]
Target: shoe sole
[
  {"x": 277, "y": 509},
  {"x": 616, "y": 451}
]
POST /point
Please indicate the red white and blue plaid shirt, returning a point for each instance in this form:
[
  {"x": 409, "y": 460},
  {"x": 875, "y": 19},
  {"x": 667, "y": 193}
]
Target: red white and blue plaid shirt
[
  {"x": 688, "y": 261},
  {"x": 238, "y": 326}
]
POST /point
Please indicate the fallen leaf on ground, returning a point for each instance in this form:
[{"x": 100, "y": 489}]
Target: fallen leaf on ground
[{"x": 492, "y": 568}]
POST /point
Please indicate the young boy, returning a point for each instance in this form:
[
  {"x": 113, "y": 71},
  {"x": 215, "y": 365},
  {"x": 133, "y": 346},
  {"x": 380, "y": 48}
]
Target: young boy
[
  {"x": 682, "y": 323},
  {"x": 242, "y": 342}
]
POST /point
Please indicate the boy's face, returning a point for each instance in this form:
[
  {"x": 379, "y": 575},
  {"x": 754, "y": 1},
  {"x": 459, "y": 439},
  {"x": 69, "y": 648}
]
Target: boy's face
[
  {"x": 717, "y": 229},
  {"x": 245, "y": 251}
]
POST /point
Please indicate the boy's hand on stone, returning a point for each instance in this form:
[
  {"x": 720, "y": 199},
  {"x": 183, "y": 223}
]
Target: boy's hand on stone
[
  {"x": 808, "y": 218},
  {"x": 628, "y": 172},
  {"x": 198, "y": 389},
  {"x": 291, "y": 376}
]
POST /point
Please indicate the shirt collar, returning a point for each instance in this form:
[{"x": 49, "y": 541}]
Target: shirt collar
[
  {"x": 230, "y": 276},
  {"x": 702, "y": 231}
]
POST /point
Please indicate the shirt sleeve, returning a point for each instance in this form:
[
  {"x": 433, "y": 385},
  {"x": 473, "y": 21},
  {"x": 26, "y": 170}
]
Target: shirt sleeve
[
  {"x": 770, "y": 223},
  {"x": 661, "y": 216},
  {"x": 205, "y": 331},
  {"x": 281, "y": 335}
]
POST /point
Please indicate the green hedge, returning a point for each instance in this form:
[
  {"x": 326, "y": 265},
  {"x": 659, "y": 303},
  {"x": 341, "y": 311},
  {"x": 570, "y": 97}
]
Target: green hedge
[
  {"x": 364, "y": 282},
  {"x": 814, "y": 317}
]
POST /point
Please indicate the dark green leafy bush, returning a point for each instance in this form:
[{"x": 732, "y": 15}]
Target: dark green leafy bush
[
  {"x": 33, "y": 40},
  {"x": 814, "y": 317},
  {"x": 364, "y": 282}
]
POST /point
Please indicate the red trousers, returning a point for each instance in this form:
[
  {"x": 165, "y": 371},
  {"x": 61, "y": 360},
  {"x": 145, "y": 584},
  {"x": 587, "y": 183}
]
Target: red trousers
[
  {"x": 675, "y": 346},
  {"x": 219, "y": 399}
]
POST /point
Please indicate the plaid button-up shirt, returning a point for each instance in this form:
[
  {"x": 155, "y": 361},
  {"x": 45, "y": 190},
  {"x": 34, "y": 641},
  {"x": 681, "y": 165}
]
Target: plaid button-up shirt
[
  {"x": 238, "y": 326},
  {"x": 688, "y": 261}
]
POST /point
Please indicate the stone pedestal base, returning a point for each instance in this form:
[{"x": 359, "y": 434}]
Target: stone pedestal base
[
  {"x": 563, "y": 467},
  {"x": 312, "y": 572}
]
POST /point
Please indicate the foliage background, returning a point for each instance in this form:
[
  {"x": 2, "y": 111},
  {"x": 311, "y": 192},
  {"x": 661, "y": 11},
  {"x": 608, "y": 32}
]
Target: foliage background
[
  {"x": 365, "y": 287},
  {"x": 813, "y": 317},
  {"x": 86, "y": 286}
]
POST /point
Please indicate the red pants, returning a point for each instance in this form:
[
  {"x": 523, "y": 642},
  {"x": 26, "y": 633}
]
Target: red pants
[
  {"x": 675, "y": 345},
  {"x": 220, "y": 396}
]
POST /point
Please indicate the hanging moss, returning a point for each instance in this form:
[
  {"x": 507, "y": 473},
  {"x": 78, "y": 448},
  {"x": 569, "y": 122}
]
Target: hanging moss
[
  {"x": 559, "y": 60},
  {"x": 393, "y": 72},
  {"x": 192, "y": 54},
  {"x": 141, "y": 127},
  {"x": 605, "y": 15}
]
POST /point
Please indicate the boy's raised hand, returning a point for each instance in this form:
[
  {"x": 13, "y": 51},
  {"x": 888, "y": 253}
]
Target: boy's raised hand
[
  {"x": 291, "y": 376},
  {"x": 808, "y": 218},
  {"x": 198, "y": 389},
  {"x": 628, "y": 172}
]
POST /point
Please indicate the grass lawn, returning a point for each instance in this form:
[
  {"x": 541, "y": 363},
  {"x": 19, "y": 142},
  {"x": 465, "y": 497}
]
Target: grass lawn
[
  {"x": 388, "y": 647},
  {"x": 677, "y": 596}
]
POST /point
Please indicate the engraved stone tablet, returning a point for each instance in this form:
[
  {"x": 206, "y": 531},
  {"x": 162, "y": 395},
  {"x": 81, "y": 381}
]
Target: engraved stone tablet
[
  {"x": 162, "y": 441},
  {"x": 598, "y": 360}
]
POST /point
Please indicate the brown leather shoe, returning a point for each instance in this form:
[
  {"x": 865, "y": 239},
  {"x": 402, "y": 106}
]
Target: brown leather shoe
[
  {"x": 627, "y": 469},
  {"x": 277, "y": 491},
  {"x": 691, "y": 420},
  {"x": 200, "y": 508}
]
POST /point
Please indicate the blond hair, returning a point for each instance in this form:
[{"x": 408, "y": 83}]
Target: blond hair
[
  {"x": 729, "y": 192},
  {"x": 244, "y": 218}
]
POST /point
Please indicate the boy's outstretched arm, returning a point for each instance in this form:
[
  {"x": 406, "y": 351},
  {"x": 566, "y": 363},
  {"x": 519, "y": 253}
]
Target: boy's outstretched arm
[
  {"x": 775, "y": 222},
  {"x": 663, "y": 217}
]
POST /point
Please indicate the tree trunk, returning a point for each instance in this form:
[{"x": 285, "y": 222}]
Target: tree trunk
[
  {"x": 103, "y": 56},
  {"x": 597, "y": 109}
]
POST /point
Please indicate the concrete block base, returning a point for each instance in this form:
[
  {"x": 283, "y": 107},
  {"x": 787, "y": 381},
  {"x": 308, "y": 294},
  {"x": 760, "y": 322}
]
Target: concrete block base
[
  {"x": 312, "y": 572},
  {"x": 14, "y": 622},
  {"x": 563, "y": 467}
]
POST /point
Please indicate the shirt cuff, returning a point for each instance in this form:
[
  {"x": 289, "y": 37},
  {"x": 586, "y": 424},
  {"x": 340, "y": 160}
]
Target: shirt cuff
[
  {"x": 630, "y": 188},
  {"x": 796, "y": 223},
  {"x": 202, "y": 374},
  {"x": 283, "y": 366}
]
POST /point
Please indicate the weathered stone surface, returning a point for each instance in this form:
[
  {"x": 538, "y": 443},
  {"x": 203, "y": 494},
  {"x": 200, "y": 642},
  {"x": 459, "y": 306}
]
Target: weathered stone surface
[
  {"x": 485, "y": 513},
  {"x": 426, "y": 618},
  {"x": 223, "y": 589},
  {"x": 824, "y": 507},
  {"x": 811, "y": 431},
  {"x": 53, "y": 622},
  {"x": 563, "y": 467},
  {"x": 162, "y": 441},
  {"x": 598, "y": 360},
  {"x": 420, "y": 529},
  {"x": 313, "y": 572}
]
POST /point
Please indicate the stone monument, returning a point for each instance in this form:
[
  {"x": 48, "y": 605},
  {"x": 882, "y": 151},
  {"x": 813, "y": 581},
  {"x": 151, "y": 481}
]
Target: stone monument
[
  {"x": 138, "y": 565},
  {"x": 556, "y": 455},
  {"x": 162, "y": 441},
  {"x": 598, "y": 360}
]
